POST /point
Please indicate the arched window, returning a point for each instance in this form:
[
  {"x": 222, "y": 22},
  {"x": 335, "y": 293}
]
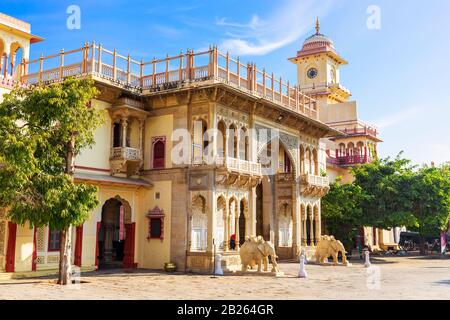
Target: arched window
[
  {"x": 233, "y": 142},
  {"x": 285, "y": 226},
  {"x": 116, "y": 135},
  {"x": 199, "y": 224},
  {"x": 159, "y": 152},
  {"x": 243, "y": 144},
  {"x": 221, "y": 139}
]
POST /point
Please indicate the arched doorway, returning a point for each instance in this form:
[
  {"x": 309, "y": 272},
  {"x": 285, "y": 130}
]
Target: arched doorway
[{"x": 116, "y": 235}]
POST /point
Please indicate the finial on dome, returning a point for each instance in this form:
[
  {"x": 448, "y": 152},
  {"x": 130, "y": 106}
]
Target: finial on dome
[{"x": 317, "y": 26}]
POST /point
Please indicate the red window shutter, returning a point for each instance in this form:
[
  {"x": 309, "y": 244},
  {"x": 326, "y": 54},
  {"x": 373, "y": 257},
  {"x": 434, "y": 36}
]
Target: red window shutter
[{"x": 159, "y": 154}]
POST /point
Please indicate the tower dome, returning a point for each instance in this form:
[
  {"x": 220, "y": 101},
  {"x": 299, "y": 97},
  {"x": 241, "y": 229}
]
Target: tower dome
[{"x": 318, "y": 40}]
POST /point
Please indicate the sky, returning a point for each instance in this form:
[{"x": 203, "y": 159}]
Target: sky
[{"x": 398, "y": 73}]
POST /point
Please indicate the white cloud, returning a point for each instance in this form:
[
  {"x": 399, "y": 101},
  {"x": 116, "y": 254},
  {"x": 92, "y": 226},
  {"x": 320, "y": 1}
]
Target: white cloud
[
  {"x": 398, "y": 117},
  {"x": 283, "y": 26}
]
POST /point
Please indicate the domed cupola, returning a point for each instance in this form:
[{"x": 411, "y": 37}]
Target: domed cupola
[{"x": 317, "y": 40}]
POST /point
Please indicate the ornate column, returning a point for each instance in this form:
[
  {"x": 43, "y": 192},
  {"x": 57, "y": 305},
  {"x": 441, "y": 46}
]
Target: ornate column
[
  {"x": 295, "y": 221},
  {"x": 226, "y": 242},
  {"x": 5, "y": 64},
  {"x": 311, "y": 229},
  {"x": 236, "y": 225},
  {"x": 303, "y": 217},
  {"x": 318, "y": 224},
  {"x": 141, "y": 140},
  {"x": 124, "y": 125}
]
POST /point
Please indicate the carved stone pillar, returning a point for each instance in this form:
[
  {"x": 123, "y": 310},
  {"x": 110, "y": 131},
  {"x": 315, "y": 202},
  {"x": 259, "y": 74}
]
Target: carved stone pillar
[
  {"x": 226, "y": 242},
  {"x": 236, "y": 225},
  {"x": 124, "y": 124},
  {"x": 141, "y": 140},
  {"x": 311, "y": 229},
  {"x": 295, "y": 221}
]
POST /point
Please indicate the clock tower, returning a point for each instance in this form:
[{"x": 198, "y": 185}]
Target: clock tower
[{"x": 318, "y": 69}]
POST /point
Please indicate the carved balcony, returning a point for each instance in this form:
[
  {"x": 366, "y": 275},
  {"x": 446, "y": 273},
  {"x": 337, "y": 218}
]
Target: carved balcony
[
  {"x": 238, "y": 172},
  {"x": 313, "y": 185},
  {"x": 125, "y": 160}
]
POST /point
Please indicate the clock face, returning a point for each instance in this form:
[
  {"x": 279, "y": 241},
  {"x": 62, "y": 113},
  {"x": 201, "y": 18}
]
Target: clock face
[{"x": 312, "y": 73}]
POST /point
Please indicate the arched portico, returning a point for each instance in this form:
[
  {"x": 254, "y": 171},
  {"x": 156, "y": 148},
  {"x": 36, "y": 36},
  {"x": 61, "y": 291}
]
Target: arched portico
[{"x": 115, "y": 238}]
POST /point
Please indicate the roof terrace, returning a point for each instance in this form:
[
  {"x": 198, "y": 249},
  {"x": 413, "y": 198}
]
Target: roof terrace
[{"x": 170, "y": 73}]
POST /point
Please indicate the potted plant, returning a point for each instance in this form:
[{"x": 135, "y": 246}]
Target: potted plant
[{"x": 170, "y": 267}]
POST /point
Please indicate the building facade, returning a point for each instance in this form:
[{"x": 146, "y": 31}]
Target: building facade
[
  {"x": 253, "y": 164},
  {"x": 318, "y": 75}
]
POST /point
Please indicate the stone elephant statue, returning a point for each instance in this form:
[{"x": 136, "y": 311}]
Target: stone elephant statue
[
  {"x": 329, "y": 246},
  {"x": 256, "y": 250}
]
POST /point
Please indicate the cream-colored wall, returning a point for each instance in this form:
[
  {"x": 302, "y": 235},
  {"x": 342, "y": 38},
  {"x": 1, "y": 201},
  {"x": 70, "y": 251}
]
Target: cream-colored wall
[
  {"x": 317, "y": 61},
  {"x": 153, "y": 253},
  {"x": 9, "y": 38},
  {"x": 337, "y": 112},
  {"x": 98, "y": 155},
  {"x": 24, "y": 248},
  {"x": 158, "y": 127}
]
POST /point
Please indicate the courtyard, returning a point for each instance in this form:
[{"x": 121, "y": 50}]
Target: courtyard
[{"x": 399, "y": 278}]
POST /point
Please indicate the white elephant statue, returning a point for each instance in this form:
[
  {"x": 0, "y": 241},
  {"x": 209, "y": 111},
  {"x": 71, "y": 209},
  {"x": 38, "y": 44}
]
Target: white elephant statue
[
  {"x": 329, "y": 246},
  {"x": 254, "y": 251}
]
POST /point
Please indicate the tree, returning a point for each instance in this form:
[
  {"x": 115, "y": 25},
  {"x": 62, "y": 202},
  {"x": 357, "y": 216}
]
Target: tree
[
  {"x": 430, "y": 197},
  {"x": 386, "y": 186},
  {"x": 341, "y": 211},
  {"x": 43, "y": 128}
]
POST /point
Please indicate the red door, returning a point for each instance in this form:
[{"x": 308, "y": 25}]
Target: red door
[
  {"x": 78, "y": 245},
  {"x": 11, "y": 249},
  {"x": 97, "y": 253},
  {"x": 128, "y": 259},
  {"x": 33, "y": 262}
]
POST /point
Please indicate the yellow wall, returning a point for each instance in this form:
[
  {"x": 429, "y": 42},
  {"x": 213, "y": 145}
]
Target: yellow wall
[
  {"x": 98, "y": 156},
  {"x": 154, "y": 253}
]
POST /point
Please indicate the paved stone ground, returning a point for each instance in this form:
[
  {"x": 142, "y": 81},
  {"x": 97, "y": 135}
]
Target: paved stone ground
[{"x": 400, "y": 278}]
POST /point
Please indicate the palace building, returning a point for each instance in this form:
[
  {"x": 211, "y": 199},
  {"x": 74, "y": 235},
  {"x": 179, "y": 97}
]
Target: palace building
[{"x": 156, "y": 209}]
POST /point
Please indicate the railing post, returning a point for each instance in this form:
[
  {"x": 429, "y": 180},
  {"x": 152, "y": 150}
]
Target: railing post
[
  {"x": 272, "y": 84},
  {"x": 296, "y": 97},
  {"x": 255, "y": 81},
  {"x": 41, "y": 66},
  {"x": 114, "y": 64},
  {"x": 128, "y": 69},
  {"x": 264, "y": 82},
  {"x": 249, "y": 76},
  {"x": 99, "y": 66},
  {"x": 154, "y": 71},
  {"x": 85, "y": 54},
  {"x": 167, "y": 68},
  {"x": 288, "y": 94},
  {"x": 22, "y": 70},
  {"x": 281, "y": 90},
  {"x": 93, "y": 57},
  {"x": 61, "y": 65},
  {"x": 180, "y": 71},
  {"x": 141, "y": 73},
  {"x": 228, "y": 67},
  {"x": 238, "y": 71}
]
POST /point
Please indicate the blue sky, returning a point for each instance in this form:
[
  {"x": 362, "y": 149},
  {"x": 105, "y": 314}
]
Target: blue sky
[{"x": 399, "y": 74}]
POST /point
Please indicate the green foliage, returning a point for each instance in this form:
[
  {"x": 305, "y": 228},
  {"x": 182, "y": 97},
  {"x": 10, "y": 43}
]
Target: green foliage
[
  {"x": 36, "y": 126},
  {"x": 385, "y": 183},
  {"x": 342, "y": 212},
  {"x": 430, "y": 193},
  {"x": 388, "y": 193}
]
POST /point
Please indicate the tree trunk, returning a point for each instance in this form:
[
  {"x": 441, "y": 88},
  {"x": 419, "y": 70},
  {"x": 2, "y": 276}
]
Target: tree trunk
[
  {"x": 65, "y": 251},
  {"x": 422, "y": 246},
  {"x": 65, "y": 255}
]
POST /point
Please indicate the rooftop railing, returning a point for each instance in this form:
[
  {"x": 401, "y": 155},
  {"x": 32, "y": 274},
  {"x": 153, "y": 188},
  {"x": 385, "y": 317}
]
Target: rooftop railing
[{"x": 164, "y": 74}]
